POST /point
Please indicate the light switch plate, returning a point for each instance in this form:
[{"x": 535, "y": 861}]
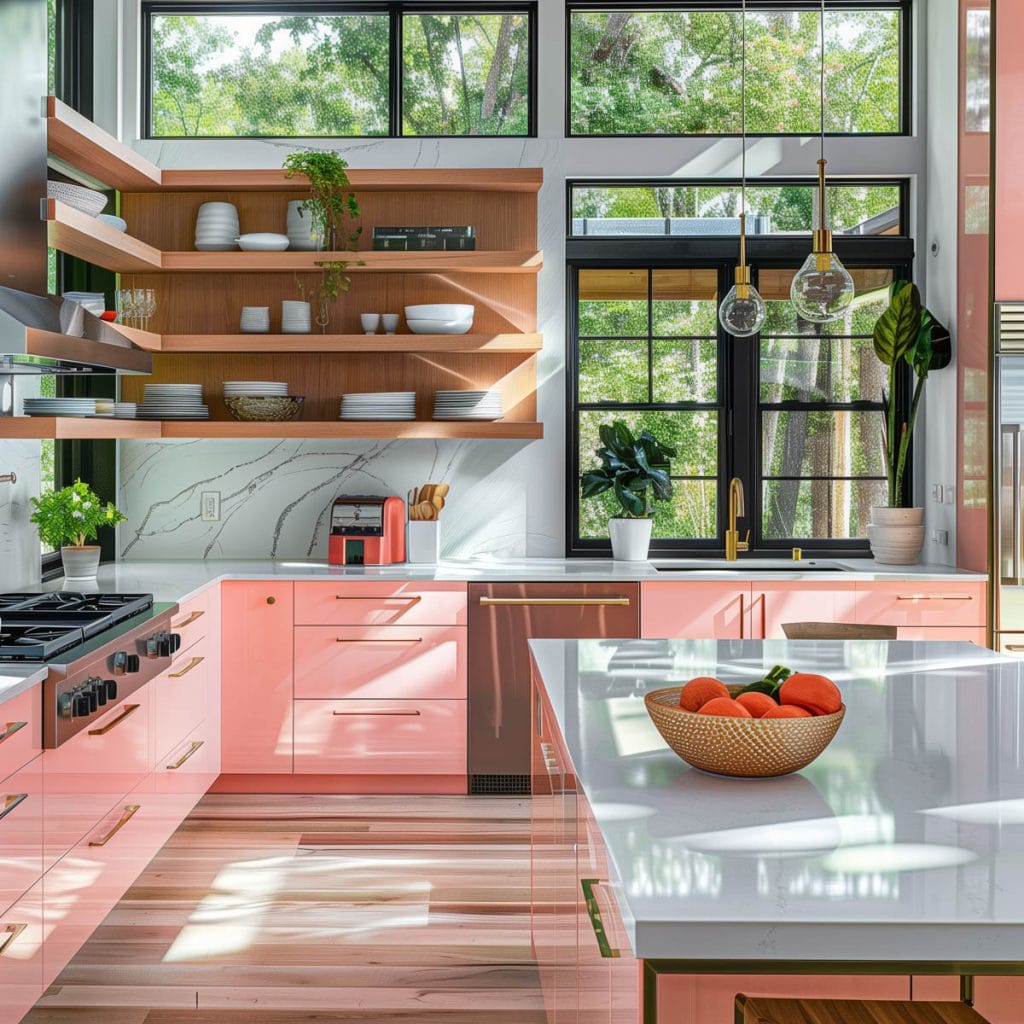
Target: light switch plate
[
  {"x": 940, "y": 536},
  {"x": 209, "y": 506},
  {"x": 936, "y": 492},
  {"x": 950, "y": 494}
]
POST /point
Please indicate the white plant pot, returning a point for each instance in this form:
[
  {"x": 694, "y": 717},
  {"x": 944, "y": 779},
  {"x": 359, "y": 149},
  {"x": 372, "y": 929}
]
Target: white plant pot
[
  {"x": 896, "y": 535},
  {"x": 631, "y": 539},
  {"x": 80, "y": 563},
  {"x": 424, "y": 541},
  {"x": 301, "y": 234}
]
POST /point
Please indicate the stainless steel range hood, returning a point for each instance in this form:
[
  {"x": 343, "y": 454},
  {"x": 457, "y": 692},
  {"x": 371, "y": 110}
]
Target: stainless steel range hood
[{"x": 45, "y": 334}]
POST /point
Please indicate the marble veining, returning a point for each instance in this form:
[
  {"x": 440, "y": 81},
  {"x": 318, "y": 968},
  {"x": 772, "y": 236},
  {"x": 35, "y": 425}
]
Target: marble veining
[{"x": 19, "y": 542}]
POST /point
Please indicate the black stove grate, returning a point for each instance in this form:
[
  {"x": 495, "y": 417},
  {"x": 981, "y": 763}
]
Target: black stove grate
[{"x": 36, "y": 643}]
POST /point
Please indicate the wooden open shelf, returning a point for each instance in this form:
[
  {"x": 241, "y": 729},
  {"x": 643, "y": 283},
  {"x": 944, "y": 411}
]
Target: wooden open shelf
[
  {"x": 341, "y": 343},
  {"x": 73, "y": 428},
  {"x": 413, "y": 179},
  {"x": 77, "y": 234}
]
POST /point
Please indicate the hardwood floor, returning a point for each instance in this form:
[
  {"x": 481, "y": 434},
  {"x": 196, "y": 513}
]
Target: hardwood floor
[{"x": 288, "y": 909}]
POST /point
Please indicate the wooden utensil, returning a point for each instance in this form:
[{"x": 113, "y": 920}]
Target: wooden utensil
[
  {"x": 437, "y": 501},
  {"x": 425, "y": 511}
]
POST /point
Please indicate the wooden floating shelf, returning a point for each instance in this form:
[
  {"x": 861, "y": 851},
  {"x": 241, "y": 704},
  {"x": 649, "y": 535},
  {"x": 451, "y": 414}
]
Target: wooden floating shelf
[
  {"x": 77, "y": 234},
  {"x": 73, "y": 428},
  {"x": 340, "y": 343}
]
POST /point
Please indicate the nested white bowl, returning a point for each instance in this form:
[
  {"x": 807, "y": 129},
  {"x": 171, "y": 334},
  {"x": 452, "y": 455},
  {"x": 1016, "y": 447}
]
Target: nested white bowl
[
  {"x": 439, "y": 326},
  {"x": 262, "y": 241},
  {"x": 441, "y": 311}
]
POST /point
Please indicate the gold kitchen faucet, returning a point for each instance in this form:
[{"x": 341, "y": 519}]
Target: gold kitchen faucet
[{"x": 733, "y": 544}]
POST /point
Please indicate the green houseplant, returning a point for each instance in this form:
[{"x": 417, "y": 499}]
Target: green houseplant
[
  {"x": 331, "y": 210},
  {"x": 637, "y": 470},
  {"x": 70, "y": 517},
  {"x": 905, "y": 333}
]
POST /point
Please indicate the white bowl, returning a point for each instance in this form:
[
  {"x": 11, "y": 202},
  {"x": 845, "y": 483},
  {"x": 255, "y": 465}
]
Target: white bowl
[
  {"x": 85, "y": 199},
  {"x": 262, "y": 241},
  {"x": 441, "y": 311},
  {"x": 117, "y": 223},
  {"x": 439, "y": 326}
]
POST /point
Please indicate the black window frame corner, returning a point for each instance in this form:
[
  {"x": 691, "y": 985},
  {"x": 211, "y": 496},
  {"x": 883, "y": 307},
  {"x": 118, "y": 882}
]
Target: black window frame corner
[{"x": 394, "y": 10}]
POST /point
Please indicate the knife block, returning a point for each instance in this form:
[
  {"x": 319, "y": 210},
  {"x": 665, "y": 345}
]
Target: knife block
[{"x": 424, "y": 541}]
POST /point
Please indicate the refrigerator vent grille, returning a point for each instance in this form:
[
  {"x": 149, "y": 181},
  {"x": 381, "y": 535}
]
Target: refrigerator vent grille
[
  {"x": 499, "y": 785},
  {"x": 1010, "y": 320}
]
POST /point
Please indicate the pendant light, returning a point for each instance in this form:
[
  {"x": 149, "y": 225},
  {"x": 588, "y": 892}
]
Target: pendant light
[
  {"x": 742, "y": 311},
  {"x": 822, "y": 289}
]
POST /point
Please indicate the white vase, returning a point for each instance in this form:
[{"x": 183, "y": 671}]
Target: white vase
[
  {"x": 80, "y": 563},
  {"x": 631, "y": 539},
  {"x": 301, "y": 233},
  {"x": 896, "y": 535},
  {"x": 296, "y": 317}
]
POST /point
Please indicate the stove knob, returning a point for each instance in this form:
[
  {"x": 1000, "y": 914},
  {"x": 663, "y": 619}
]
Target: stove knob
[
  {"x": 99, "y": 692},
  {"x": 175, "y": 642},
  {"x": 92, "y": 697},
  {"x": 65, "y": 705},
  {"x": 153, "y": 646},
  {"x": 81, "y": 705},
  {"x": 125, "y": 662},
  {"x": 110, "y": 688},
  {"x": 132, "y": 664}
]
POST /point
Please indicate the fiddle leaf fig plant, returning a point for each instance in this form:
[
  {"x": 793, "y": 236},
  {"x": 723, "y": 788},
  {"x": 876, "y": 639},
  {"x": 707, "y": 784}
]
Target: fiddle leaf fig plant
[
  {"x": 636, "y": 468},
  {"x": 72, "y": 516}
]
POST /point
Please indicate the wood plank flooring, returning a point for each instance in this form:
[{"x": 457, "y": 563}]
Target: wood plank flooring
[{"x": 319, "y": 909}]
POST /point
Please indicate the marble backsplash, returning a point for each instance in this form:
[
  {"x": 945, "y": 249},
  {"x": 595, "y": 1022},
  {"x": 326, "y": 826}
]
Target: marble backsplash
[
  {"x": 19, "y": 542},
  {"x": 275, "y": 496}
]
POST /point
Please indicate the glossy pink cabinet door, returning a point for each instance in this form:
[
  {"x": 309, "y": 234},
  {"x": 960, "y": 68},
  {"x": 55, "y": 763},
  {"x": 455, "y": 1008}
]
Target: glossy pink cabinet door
[
  {"x": 21, "y": 955},
  {"x": 773, "y": 604},
  {"x": 256, "y": 678},
  {"x": 922, "y": 604},
  {"x": 694, "y": 611},
  {"x": 21, "y": 832},
  {"x": 414, "y": 662},
  {"x": 180, "y": 697},
  {"x": 372, "y": 603},
  {"x": 21, "y": 730}
]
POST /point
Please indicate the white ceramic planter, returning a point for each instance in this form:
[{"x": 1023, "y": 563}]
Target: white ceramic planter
[
  {"x": 631, "y": 539},
  {"x": 80, "y": 563},
  {"x": 301, "y": 234},
  {"x": 424, "y": 542},
  {"x": 896, "y": 535}
]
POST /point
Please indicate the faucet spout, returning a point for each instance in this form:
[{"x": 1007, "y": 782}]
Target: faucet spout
[{"x": 733, "y": 544}]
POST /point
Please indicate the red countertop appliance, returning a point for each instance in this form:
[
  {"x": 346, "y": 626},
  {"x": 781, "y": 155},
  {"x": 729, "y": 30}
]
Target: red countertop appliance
[{"x": 367, "y": 531}]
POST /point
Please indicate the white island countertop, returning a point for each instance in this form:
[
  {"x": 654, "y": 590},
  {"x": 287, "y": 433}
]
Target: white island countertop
[
  {"x": 178, "y": 580},
  {"x": 903, "y": 842},
  {"x": 16, "y": 679}
]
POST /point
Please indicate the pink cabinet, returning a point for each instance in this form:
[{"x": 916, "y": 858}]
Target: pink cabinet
[
  {"x": 929, "y": 605},
  {"x": 21, "y": 955},
  {"x": 21, "y": 730},
  {"x": 695, "y": 611},
  {"x": 773, "y": 604},
  {"x": 21, "y": 831},
  {"x": 999, "y": 1000},
  {"x": 180, "y": 696},
  {"x": 414, "y": 662},
  {"x": 195, "y": 620},
  {"x": 191, "y": 766},
  {"x": 381, "y": 737},
  {"x": 372, "y": 603},
  {"x": 256, "y": 677}
]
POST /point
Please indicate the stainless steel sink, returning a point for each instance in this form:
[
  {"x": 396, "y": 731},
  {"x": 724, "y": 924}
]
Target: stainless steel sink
[{"x": 747, "y": 565}]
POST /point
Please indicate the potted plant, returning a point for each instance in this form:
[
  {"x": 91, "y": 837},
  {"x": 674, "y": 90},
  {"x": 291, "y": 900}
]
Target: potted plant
[
  {"x": 66, "y": 519},
  {"x": 636, "y": 469},
  {"x": 330, "y": 208},
  {"x": 905, "y": 332}
]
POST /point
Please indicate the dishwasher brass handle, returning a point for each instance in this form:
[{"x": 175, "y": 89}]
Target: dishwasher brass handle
[
  {"x": 560, "y": 601},
  {"x": 11, "y": 801},
  {"x": 196, "y": 744},
  {"x": 409, "y": 712},
  {"x": 412, "y": 598},
  {"x": 130, "y": 810},
  {"x": 188, "y": 622},
  {"x": 1015, "y": 647},
  {"x": 589, "y": 885},
  {"x": 12, "y": 931},
  {"x": 382, "y": 640},
  {"x": 194, "y": 663},
  {"x": 934, "y": 597},
  {"x": 129, "y": 709},
  {"x": 11, "y": 729}
]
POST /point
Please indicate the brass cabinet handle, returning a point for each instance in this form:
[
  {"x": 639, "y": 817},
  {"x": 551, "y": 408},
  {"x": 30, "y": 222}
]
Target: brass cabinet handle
[
  {"x": 934, "y": 597},
  {"x": 562, "y": 601},
  {"x": 197, "y": 660},
  {"x": 196, "y": 744},
  {"x": 129, "y": 709},
  {"x": 11, "y": 931},
  {"x": 412, "y": 598},
  {"x": 1014, "y": 647},
  {"x": 130, "y": 811},
  {"x": 11, "y": 729},
  {"x": 11, "y": 801},
  {"x": 271, "y": 600},
  {"x": 413, "y": 640},
  {"x": 188, "y": 622},
  {"x": 594, "y": 913},
  {"x": 381, "y": 711}
]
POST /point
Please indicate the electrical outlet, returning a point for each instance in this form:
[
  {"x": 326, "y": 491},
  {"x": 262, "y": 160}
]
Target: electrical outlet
[
  {"x": 936, "y": 492},
  {"x": 950, "y": 494},
  {"x": 209, "y": 507},
  {"x": 940, "y": 536}
]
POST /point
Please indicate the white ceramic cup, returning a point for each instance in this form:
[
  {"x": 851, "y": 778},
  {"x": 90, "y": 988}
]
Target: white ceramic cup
[
  {"x": 370, "y": 322},
  {"x": 390, "y": 321},
  {"x": 255, "y": 319}
]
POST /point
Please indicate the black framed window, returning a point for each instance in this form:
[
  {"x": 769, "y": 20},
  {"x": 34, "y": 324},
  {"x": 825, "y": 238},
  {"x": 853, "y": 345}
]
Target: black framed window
[
  {"x": 671, "y": 68},
  {"x": 795, "y": 413},
  {"x": 339, "y": 70}
]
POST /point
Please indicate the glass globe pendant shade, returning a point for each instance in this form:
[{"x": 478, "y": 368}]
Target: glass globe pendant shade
[
  {"x": 822, "y": 289},
  {"x": 742, "y": 311}
]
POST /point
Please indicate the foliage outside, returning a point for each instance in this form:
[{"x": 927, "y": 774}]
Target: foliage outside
[
  {"x": 635, "y": 469},
  {"x": 72, "y": 516}
]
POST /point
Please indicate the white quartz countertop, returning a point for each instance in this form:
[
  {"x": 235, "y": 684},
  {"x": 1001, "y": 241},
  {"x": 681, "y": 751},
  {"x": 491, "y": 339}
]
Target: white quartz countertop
[
  {"x": 178, "y": 580},
  {"x": 904, "y": 841},
  {"x": 15, "y": 679}
]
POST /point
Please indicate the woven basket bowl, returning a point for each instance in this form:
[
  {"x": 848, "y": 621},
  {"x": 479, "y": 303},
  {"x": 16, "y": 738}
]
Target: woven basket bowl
[
  {"x": 270, "y": 409},
  {"x": 747, "y": 748},
  {"x": 81, "y": 198}
]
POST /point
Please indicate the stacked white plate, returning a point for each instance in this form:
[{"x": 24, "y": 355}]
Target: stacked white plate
[
  {"x": 173, "y": 402},
  {"x": 382, "y": 405},
  {"x": 255, "y": 389},
  {"x": 125, "y": 410},
  {"x": 91, "y": 302},
  {"x": 217, "y": 227},
  {"x": 60, "y": 406},
  {"x": 255, "y": 320},
  {"x": 468, "y": 405}
]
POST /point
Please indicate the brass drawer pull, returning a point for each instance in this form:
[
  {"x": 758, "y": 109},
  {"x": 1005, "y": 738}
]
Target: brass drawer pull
[
  {"x": 561, "y": 601},
  {"x": 11, "y": 801},
  {"x": 188, "y": 622},
  {"x": 412, "y": 599},
  {"x": 129, "y": 709},
  {"x": 414, "y": 640},
  {"x": 195, "y": 662},
  {"x": 12, "y": 728},
  {"x": 12, "y": 931},
  {"x": 409, "y": 713},
  {"x": 130, "y": 811},
  {"x": 1015, "y": 647},
  {"x": 196, "y": 744},
  {"x": 589, "y": 885},
  {"x": 934, "y": 597}
]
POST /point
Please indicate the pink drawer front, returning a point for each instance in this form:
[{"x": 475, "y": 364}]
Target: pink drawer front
[
  {"x": 693, "y": 611},
  {"x": 404, "y": 662},
  {"x": 21, "y": 832},
  {"x": 192, "y": 766},
  {"x": 385, "y": 737},
  {"x": 21, "y": 730},
  {"x": 372, "y": 603},
  {"x": 181, "y": 696},
  {"x": 193, "y": 621},
  {"x": 21, "y": 955},
  {"x": 962, "y": 634},
  {"x": 921, "y": 604}
]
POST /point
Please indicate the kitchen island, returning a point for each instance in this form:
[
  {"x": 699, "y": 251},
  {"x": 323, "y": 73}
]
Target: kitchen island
[{"x": 896, "y": 854}]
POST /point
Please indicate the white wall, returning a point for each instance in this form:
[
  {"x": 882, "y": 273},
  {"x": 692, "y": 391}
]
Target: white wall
[{"x": 161, "y": 484}]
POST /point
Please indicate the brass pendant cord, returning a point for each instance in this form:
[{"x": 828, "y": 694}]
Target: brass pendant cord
[
  {"x": 822, "y": 237},
  {"x": 743, "y": 274}
]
